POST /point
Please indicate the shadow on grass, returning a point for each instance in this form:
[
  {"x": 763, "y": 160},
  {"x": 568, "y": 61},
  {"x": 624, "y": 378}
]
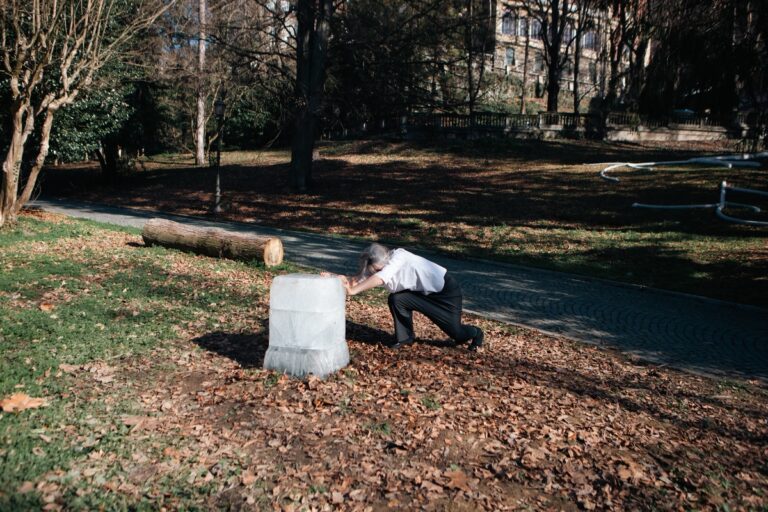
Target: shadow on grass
[
  {"x": 365, "y": 334},
  {"x": 247, "y": 349},
  {"x": 613, "y": 391},
  {"x": 471, "y": 205},
  {"x": 558, "y": 151},
  {"x": 672, "y": 409}
]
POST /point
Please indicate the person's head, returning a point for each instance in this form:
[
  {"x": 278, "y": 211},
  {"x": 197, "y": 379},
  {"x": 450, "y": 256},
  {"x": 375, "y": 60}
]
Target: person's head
[{"x": 374, "y": 258}]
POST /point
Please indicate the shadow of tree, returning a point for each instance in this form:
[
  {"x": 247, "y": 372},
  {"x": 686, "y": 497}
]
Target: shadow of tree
[
  {"x": 535, "y": 195},
  {"x": 491, "y": 367}
]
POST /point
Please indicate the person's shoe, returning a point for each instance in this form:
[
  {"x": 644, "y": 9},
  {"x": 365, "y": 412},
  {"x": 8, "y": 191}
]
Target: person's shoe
[
  {"x": 477, "y": 340},
  {"x": 400, "y": 344}
]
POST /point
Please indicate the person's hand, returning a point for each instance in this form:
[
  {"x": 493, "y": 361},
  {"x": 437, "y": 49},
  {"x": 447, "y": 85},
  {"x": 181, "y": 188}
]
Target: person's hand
[
  {"x": 325, "y": 274},
  {"x": 344, "y": 280}
]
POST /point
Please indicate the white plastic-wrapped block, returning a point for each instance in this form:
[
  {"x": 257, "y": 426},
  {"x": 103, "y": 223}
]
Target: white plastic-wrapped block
[{"x": 306, "y": 326}]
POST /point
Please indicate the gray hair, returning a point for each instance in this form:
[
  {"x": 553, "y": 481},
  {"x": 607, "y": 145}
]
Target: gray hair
[{"x": 374, "y": 254}]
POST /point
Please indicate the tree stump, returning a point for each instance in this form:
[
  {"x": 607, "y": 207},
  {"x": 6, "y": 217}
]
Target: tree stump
[{"x": 219, "y": 243}]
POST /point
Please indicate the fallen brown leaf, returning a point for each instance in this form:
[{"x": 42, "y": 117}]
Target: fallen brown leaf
[
  {"x": 20, "y": 401},
  {"x": 69, "y": 368},
  {"x": 26, "y": 487},
  {"x": 457, "y": 480},
  {"x": 248, "y": 477}
]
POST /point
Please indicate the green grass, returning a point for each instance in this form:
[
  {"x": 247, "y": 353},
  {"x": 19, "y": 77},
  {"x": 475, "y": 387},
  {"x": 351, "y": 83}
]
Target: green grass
[
  {"x": 382, "y": 429},
  {"x": 63, "y": 307},
  {"x": 430, "y": 402}
]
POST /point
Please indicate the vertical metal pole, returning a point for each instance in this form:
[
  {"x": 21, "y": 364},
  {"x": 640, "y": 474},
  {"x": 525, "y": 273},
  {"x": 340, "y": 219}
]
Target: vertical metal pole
[
  {"x": 723, "y": 185},
  {"x": 217, "y": 202}
]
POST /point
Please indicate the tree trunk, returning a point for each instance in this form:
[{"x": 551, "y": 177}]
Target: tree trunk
[
  {"x": 42, "y": 154},
  {"x": 525, "y": 71},
  {"x": 200, "y": 124},
  {"x": 108, "y": 157},
  {"x": 214, "y": 242},
  {"x": 618, "y": 38},
  {"x": 22, "y": 124},
  {"x": 11, "y": 171},
  {"x": 311, "y": 49},
  {"x": 553, "y": 87},
  {"x": 576, "y": 64},
  {"x": 469, "y": 37},
  {"x": 556, "y": 27}
]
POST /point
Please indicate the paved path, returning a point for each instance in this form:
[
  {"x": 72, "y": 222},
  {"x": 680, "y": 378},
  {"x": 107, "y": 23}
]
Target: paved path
[{"x": 692, "y": 333}]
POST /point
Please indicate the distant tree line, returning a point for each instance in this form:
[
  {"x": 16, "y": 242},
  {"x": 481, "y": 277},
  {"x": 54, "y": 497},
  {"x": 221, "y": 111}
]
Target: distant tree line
[{"x": 105, "y": 78}]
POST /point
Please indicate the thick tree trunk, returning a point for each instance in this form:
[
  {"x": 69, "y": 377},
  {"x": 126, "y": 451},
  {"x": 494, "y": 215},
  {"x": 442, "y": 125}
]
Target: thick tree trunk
[
  {"x": 42, "y": 154},
  {"x": 311, "y": 49},
  {"x": 200, "y": 123},
  {"x": 11, "y": 172},
  {"x": 108, "y": 157},
  {"x": 214, "y": 242},
  {"x": 555, "y": 37},
  {"x": 470, "y": 57},
  {"x": 301, "y": 151},
  {"x": 553, "y": 87},
  {"x": 22, "y": 124}
]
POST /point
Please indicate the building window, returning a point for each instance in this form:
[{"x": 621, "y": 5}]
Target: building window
[
  {"x": 593, "y": 72},
  {"x": 508, "y": 24},
  {"x": 509, "y": 57},
  {"x": 536, "y": 29},
  {"x": 568, "y": 34},
  {"x": 590, "y": 40},
  {"x": 522, "y": 29},
  {"x": 538, "y": 63}
]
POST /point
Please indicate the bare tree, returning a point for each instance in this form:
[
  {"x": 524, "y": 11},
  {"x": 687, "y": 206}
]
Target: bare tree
[
  {"x": 201, "y": 92},
  {"x": 51, "y": 51},
  {"x": 584, "y": 21},
  {"x": 478, "y": 42},
  {"x": 629, "y": 36},
  {"x": 526, "y": 58},
  {"x": 554, "y": 17}
]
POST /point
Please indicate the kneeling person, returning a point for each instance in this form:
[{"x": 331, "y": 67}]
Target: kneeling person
[{"x": 415, "y": 284}]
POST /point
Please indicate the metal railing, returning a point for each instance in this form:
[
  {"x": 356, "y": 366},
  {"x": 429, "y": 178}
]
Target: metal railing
[
  {"x": 634, "y": 120},
  {"x": 550, "y": 121},
  {"x": 502, "y": 122}
]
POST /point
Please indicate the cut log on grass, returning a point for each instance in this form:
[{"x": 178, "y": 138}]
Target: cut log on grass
[{"x": 215, "y": 242}]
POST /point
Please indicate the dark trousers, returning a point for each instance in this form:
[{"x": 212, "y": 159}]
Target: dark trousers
[{"x": 443, "y": 308}]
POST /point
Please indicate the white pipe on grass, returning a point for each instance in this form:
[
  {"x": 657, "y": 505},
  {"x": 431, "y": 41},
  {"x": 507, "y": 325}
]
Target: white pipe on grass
[
  {"x": 729, "y": 161},
  {"x": 692, "y": 206},
  {"x": 723, "y": 203}
]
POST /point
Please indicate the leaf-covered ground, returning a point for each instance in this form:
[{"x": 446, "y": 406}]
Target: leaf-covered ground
[
  {"x": 150, "y": 364},
  {"x": 528, "y": 202}
]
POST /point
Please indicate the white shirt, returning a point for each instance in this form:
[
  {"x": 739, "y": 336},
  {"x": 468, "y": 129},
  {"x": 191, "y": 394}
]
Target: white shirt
[{"x": 407, "y": 271}]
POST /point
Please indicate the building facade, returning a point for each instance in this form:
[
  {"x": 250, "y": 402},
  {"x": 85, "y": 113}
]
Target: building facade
[{"x": 519, "y": 56}]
